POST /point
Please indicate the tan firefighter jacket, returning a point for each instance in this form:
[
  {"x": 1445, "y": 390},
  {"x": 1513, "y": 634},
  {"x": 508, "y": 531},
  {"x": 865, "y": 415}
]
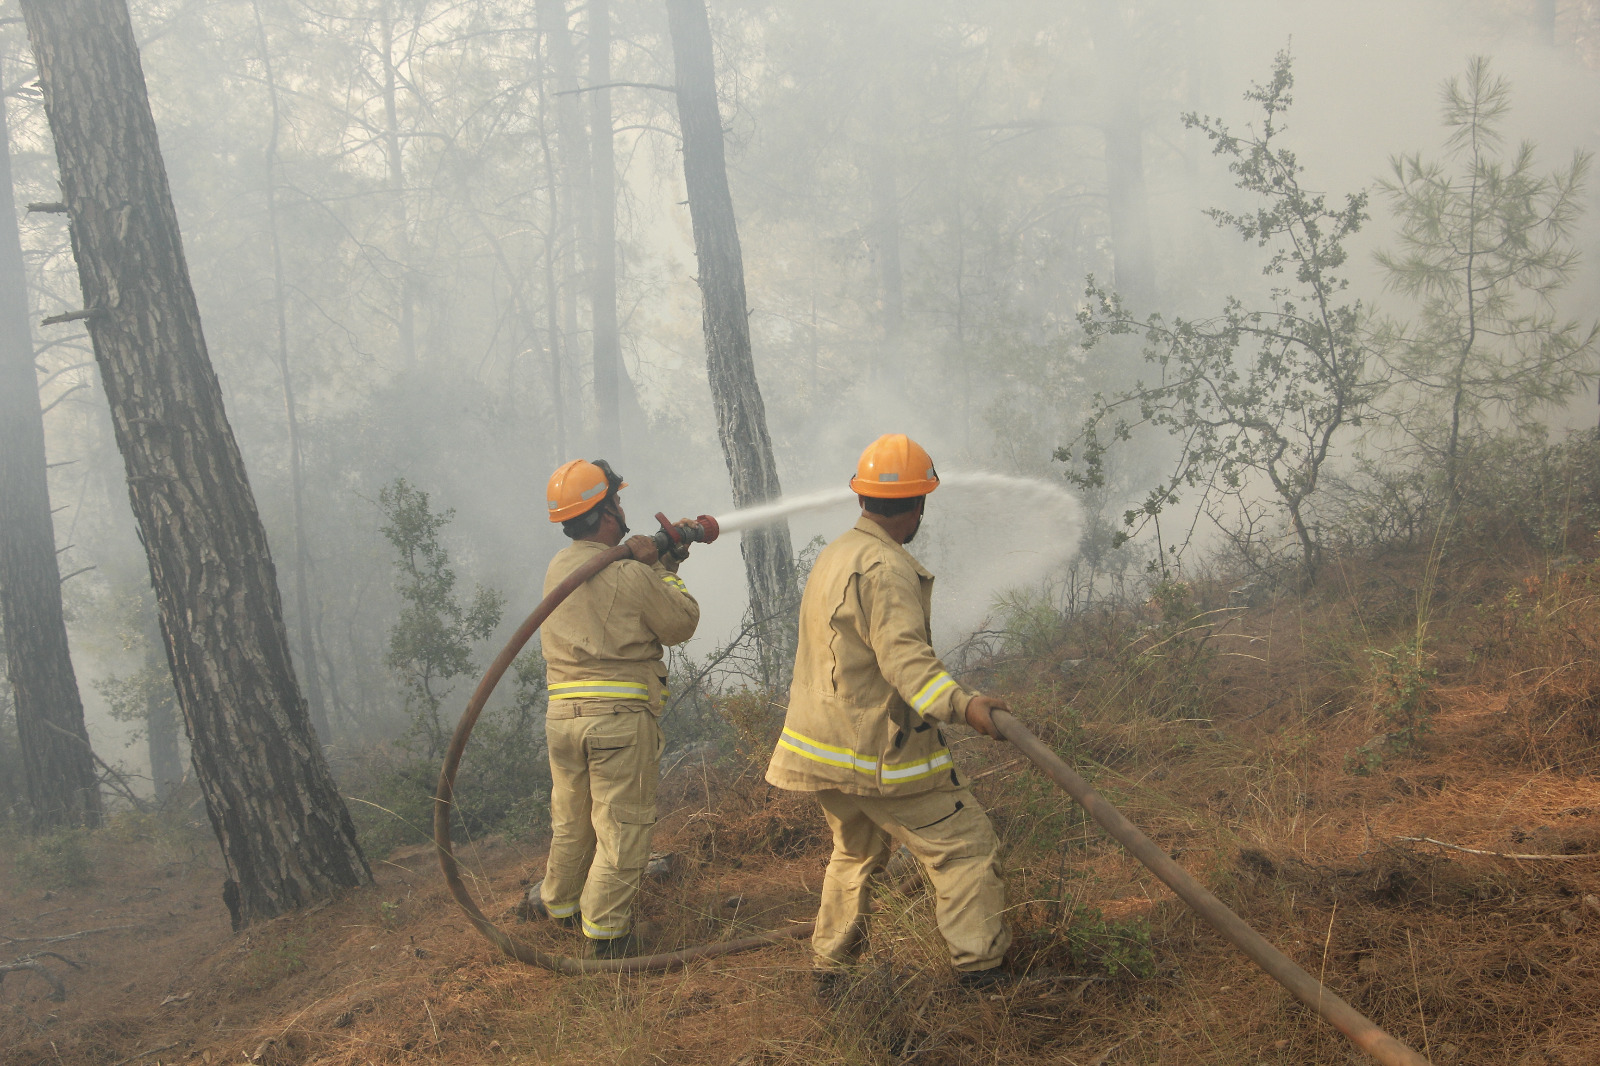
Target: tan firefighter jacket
[
  {"x": 604, "y": 642},
  {"x": 868, "y": 692}
]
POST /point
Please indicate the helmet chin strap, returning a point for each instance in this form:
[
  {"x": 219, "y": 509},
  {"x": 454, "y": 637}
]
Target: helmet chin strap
[{"x": 616, "y": 512}]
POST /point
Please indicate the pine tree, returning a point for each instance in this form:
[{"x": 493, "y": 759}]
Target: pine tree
[{"x": 1485, "y": 248}]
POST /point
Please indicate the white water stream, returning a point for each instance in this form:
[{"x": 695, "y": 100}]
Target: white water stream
[{"x": 984, "y": 533}]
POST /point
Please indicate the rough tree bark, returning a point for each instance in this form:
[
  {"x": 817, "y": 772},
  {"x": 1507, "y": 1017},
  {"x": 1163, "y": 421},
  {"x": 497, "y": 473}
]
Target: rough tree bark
[
  {"x": 285, "y": 834},
  {"x": 280, "y": 303},
  {"x": 58, "y": 767},
  {"x": 603, "y": 248},
  {"x": 741, "y": 416}
]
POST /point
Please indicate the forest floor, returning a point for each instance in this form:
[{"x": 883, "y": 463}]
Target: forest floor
[{"x": 1245, "y": 738}]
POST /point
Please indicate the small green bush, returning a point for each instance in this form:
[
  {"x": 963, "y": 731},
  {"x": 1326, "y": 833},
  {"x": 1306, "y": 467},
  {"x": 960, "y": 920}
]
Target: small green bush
[
  {"x": 1402, "y": 682},
  {"x": 1117, "y": 948},
  {"x": 58, "y": 859},
  {"x": 271, "y": 963}
]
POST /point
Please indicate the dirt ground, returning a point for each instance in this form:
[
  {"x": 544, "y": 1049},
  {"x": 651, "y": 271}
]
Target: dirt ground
[{"x": 1475, "y": 958}]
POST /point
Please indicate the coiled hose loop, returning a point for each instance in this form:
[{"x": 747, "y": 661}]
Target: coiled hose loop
[{"x": 444, "y": 799}]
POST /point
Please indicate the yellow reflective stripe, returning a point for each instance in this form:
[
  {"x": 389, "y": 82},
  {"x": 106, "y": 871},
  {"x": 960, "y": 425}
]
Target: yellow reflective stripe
[
  {"x": 827, "y": 754},
  {"x": 602, "y": 932},
  {"x": 615, "y": 690},
  {"x": 931, "y": 691},
  {"x": 563, "y": 910},
  {"x": 916, "y": 771},
  {"x": 675, "y": 581}
]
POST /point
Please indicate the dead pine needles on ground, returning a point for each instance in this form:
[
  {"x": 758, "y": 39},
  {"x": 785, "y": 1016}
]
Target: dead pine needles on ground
[{"x": 1411, "y": 813}]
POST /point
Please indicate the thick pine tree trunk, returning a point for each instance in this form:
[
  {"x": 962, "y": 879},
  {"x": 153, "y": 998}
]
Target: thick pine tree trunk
[
  {"x": 741, "y": 416},
  {"x": 285, "y": 834},
  {"x": 58, "y": 767}
]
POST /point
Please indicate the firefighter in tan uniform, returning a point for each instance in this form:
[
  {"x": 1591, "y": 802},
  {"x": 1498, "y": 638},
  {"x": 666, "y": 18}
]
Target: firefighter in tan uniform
[
  {"x": 607, "y": 684},
  {"x": 864, "y": 729}
]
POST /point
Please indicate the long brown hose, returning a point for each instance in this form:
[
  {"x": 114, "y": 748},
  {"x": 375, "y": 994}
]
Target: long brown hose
[
  {"x": 1307, "y": 989},
  {"x": 444, "y": 799},
  {"x": 1282, "y": 969}
]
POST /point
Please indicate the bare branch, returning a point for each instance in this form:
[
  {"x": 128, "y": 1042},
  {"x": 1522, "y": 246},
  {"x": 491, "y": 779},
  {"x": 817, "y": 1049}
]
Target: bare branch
[
  {"x": 60, "y": 990},
  {"x": 617, "y": 85},
  {"x": 1500, "y": 854}
]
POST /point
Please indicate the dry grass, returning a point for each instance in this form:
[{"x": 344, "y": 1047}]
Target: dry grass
[{"x": 1225, "y": 733}]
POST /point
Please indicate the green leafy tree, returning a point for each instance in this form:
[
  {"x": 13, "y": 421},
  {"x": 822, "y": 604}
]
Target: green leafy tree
[
  {"x": 1485, "y": 248},
  {"x": 1250, "y": 395},
  {"x": 431, "y": 643}
]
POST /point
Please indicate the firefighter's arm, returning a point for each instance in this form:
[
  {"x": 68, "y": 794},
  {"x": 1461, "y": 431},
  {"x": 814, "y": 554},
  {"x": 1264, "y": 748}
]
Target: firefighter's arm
[
  {"x": 668, "y": 610},
  {"x": 893, "y": 603}
]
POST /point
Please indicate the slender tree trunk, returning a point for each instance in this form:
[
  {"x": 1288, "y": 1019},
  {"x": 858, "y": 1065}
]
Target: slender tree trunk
[
  {"x": 603, "y": 255},
  {"x": 58, "y": 766},
  {"x": 285, "y": 834},
  {"x": 280, "y": 303},
  {"x": 1127, "y": 203},
  {"x": 741, "y": 416},
  {"x": 962, "y": 370},
  {"x": 885, "y": 188},
  {"x": 160, "y": 723},
  {"x": 575, "y": 221},
  {"x": 552, "y": 289},
  {"x": 406, "y": 317}
]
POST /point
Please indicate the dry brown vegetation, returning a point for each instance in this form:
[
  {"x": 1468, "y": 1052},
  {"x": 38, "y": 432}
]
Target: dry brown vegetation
[{"x": 1248, "y": 737}]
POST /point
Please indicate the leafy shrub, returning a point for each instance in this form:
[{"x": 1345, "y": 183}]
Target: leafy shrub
[
  {"x": 749, "y": 715},
  {"x": 59, "y": 859},
  {"x": 503, "y": 784},
  {"x": 1093, "y": 943},
  {"x": 1526, "y": 488},
  {"x": 1402, "y": 682}
]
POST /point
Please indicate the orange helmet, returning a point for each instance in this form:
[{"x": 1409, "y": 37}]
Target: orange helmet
[
  {"x": 579, "y": 487},
  {"x": 894, "y": 467}
]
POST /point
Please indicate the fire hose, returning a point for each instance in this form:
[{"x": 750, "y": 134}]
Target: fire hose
[
  {"x": 1365, "y": 1034},
  {"x": 703, "y": 530}
]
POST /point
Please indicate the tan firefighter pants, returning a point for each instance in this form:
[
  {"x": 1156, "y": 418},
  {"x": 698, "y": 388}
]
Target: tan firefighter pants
[
  {"x": 603, "y": 769},
  {"x": 949, "y": 833}
]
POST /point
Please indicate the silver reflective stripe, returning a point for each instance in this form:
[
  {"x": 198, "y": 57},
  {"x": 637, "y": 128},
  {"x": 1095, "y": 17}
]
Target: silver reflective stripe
[
  {"x": 564, "y": 910},
  {"x": 601, "y": 932},
  {"x": 675, "y": 581},
  {"x": 931, "y": 691},
  {"x": 827, "y": 754},
  {"x": 911, "y": 771},
  {"x": 888, "y": 477},
  {"x": 618, "y": 690},
  {"x": 592, "y": 493}
]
